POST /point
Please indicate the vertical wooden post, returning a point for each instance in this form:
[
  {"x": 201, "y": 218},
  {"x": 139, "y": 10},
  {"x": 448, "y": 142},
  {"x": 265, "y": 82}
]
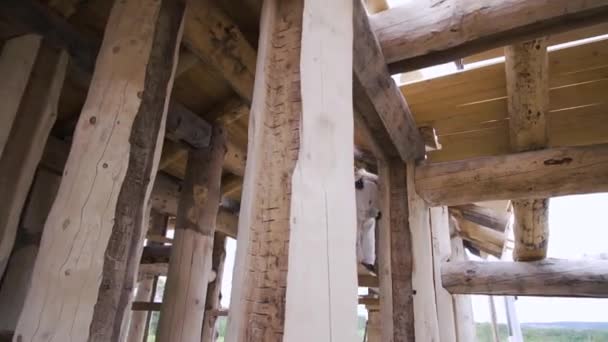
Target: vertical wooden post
[
  {"x": 16, "y": 64},
  {"x": 23, "y": 150},
  {"x": 527, "y": 70},
  {"x": 87, "y": 263},
  {"x": 442, "y": 251},
  {"x": 183, "y": 308},
  {"x": 138, "y": 324},
  {"x": 463, "y": 306},
  {"x": 21, "y": 264},
  {"x": 215, "y": 288},
  {"x": 296, "y": 245}
]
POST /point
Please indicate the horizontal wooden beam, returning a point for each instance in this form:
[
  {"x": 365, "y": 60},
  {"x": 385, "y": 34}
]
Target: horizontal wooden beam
[
  {"x": 537, "y": 174},
  {"x": 546, "y": 278},
  {"x": 377, "y": 97},
  {"x": 425, "y": 33}
]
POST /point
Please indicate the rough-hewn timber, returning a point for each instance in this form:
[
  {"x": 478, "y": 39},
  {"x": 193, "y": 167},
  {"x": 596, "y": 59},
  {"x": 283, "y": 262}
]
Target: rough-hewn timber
[
  {"x": 299, "y": 81},
  {"x": 98, "y": 214}
]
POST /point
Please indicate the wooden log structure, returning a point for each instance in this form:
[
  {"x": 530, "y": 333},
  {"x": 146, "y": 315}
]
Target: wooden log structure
[
  {"x": 182, "y": 125},
  {"x": 537, "y": 174},
  {"x": 30, "y": 128},
  {"x": 527, "y": 74},
  {"x": 420, "y": 34},
  {"x": 545, "y": 278},
  {"x": 183, "y": 308},
  {"x": 297, "y": 166},
  {"x": 82, "y": 281}
]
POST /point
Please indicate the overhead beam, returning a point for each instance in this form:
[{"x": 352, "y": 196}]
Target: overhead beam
[
  {"x": 377, "y": 97},
  {"x": 485, "y": 239},
  {"x": 538, "y": 174},
  {"x": 419, "y": 34},
  {"x": 545, "y": 278},
  {"x": 527, "y": 76}
]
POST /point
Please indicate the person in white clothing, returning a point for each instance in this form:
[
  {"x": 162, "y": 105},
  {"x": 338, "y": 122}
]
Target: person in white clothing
[{"x": 368, "y": 212}]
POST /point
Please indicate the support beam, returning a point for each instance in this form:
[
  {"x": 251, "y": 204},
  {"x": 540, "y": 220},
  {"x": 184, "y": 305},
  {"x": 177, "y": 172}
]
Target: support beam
[
  {"x": 463, "y": 304},
  {"x": 539, "y": 174},
  {"x": 214, "y": 289},
  {"x": 377, "y": 97},
  {"x": 16, "y": 64},
  {"x": 442, "y": 251},
  {"x": 300, "y": 160},
  {"x": 546, "y": 278},
  {"x": 84, "y": 273},
  {"x": 183, "y": 308},
  {"x": 527, "y": 75},
  {"x": 419, "y": 34},
  {"x": 395, "y": 260},
  {"x": 22, "y": 153}
]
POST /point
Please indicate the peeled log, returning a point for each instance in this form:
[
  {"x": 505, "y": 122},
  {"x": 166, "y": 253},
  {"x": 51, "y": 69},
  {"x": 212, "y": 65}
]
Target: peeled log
[
  {"x": 546, "y": 278},
  {"x": 538, "y": 174},
  {"x": 419, "y": 34},
  {"x": 527, "y": 74}
]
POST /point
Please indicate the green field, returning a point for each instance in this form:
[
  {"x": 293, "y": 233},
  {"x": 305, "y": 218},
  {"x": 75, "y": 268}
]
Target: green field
[{"x": 534, "y": 334}]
